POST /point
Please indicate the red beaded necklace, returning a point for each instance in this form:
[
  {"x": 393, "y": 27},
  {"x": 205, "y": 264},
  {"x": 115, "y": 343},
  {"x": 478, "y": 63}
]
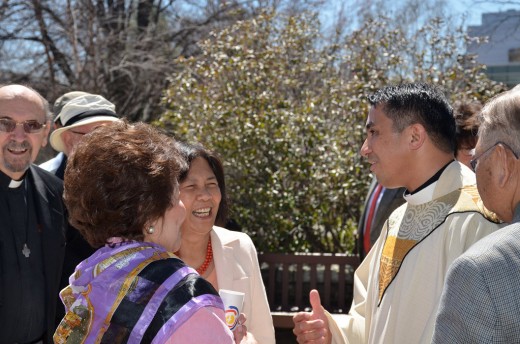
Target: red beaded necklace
[{"x": 209, "y": 258}]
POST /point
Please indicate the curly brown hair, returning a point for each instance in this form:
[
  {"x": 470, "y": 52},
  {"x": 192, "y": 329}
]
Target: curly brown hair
[{"x": 120, "y": 178}]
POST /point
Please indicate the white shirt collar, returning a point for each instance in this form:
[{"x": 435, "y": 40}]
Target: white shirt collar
[
  {"x": 423, "y": 196},
  {"x": 14, "y": 184}
]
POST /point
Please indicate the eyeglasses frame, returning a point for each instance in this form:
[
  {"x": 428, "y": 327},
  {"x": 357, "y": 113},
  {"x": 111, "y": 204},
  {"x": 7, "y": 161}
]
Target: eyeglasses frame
[
  {"x": 473, "y": 162},
  {"x": 24, "y": 124}
]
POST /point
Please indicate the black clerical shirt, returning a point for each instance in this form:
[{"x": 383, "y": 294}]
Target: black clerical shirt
[
  {"x": 22, "y": 284},
  {"x": 430, "y": 181}
]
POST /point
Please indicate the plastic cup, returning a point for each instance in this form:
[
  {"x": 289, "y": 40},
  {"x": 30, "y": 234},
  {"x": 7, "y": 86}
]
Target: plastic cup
[{"x": 233, "y": 302}]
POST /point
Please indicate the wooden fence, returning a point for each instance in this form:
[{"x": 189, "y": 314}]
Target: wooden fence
[{"x": 288, "y": 278}]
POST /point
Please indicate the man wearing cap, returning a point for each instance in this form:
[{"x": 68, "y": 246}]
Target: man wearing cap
[
  {"x": 57, "y": 164},
  {"x": 78, "y": 113},
  {"x": 33, "y": 221}
]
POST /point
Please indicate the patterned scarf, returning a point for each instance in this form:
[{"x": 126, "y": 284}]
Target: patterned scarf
[{"x": 131, "y": 293}]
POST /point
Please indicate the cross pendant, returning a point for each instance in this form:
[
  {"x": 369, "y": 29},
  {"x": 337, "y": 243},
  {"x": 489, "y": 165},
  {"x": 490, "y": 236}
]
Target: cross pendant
[{"x": 26, "y": 251}]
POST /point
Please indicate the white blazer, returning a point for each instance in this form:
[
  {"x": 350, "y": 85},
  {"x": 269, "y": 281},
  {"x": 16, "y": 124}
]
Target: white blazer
[{"x": 237, "y": 268}]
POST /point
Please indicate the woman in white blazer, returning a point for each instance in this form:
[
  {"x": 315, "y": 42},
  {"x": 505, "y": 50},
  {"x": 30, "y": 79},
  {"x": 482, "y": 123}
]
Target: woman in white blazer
[{"x": 227, "y": 259}]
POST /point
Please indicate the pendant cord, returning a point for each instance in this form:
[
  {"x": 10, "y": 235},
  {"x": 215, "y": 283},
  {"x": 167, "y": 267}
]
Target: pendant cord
[{"x": 26, "y": 251}]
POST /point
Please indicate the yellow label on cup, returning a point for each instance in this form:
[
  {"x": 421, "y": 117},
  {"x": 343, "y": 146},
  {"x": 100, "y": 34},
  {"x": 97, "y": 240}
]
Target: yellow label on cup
[{"x": 232, "y": 317}]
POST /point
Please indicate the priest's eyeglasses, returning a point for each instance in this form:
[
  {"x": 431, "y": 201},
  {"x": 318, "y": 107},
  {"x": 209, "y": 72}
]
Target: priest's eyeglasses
[
  {"x": 474, "y": 161},
  {"x": 8, "y": 125}
]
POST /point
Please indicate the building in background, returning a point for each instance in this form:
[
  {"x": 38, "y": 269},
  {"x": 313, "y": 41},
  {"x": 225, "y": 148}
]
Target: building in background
[{"x": 501, "y": 53}]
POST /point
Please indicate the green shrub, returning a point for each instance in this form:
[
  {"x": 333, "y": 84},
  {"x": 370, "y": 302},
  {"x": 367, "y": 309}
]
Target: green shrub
[{"x": 286, "y": 111}]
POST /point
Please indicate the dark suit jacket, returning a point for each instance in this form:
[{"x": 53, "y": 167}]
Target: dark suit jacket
[
  {"x": 77, "y": 248},
  {"x": 52, "y": 217},
  {"x": 391, "y": 200}
]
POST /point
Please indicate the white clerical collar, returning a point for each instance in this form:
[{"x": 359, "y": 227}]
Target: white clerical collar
[
  {"x": 423, "y": 196},
  {"x": 14, "y": 184}
]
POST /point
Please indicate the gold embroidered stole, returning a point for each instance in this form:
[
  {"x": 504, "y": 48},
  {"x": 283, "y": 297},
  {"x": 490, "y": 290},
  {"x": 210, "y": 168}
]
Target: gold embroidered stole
[{"x": 410, "y": 224}]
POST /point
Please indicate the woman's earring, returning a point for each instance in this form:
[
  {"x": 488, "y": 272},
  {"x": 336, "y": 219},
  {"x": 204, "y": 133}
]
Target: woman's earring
[{"x": 150, "y": 230}]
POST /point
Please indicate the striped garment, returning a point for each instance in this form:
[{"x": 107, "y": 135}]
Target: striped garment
[{"x": 131, "y": 292}]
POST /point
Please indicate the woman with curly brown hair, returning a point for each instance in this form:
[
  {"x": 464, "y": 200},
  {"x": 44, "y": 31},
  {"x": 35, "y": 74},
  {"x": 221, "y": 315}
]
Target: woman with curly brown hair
[{"x": 122, "y": 193}]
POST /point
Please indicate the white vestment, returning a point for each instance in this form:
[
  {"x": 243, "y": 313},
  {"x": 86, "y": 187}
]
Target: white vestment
[{"x": 397, "y": 287}]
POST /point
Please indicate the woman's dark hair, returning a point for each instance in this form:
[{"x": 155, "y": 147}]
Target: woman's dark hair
[
  {"x": 121, "y": 178},
  {"x": 192, "y": 151}
]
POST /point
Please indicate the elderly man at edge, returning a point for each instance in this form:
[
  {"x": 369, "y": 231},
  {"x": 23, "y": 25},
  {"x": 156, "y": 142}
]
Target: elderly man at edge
[
  {"x": 32, "y": 221},
  {"x": 481, "y": 299}
]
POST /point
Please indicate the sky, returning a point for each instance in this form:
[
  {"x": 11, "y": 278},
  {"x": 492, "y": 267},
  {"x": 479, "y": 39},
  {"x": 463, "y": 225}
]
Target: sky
[
  {"x": 471, "y": 9},
  {"x": 474, "y": 9}
]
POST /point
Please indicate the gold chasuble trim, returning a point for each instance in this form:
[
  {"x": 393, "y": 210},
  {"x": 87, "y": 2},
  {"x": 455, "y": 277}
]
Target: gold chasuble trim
[
  {"x": 410, "y": 224},
  {"x": 393, "y": 255}
]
